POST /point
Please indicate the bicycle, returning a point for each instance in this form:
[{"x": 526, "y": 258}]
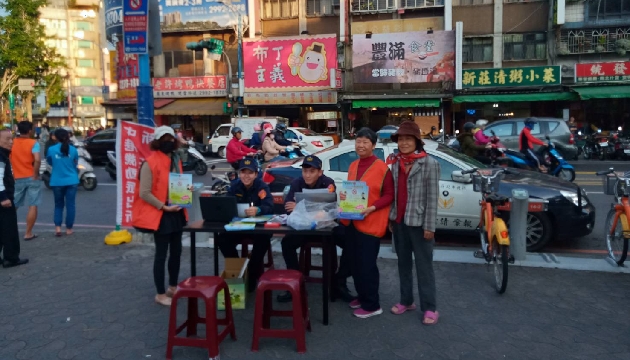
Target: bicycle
[
  {"x": 491, "y": 226},
  {"x": 617, "y": 236}
]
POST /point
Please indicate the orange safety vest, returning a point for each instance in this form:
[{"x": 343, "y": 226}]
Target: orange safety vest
[
  {"x": 22, "y": 158},
  {"x": 145, "y": 215},
  {"x": 374, "y": 224}
]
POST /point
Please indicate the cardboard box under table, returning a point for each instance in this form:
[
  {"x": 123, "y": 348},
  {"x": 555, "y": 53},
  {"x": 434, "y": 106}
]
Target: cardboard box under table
[{"x": 235, "y": 275}]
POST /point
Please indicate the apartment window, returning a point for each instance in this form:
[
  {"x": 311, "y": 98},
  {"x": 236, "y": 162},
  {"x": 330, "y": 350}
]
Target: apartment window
[
  {"x": 471, "y": 2},
  {"x": 83, "y": 25},
  {"x": 278, "y": 9},
  {"x": 525, "y": 46},
  {"x": 86, "y": 100},
  {"x": 477, "y": 50},
  {"x": 609, "y": 9},
  {"x": 84, "y": 44},
  {"x": 86, "y": 82},
  {"x": 85, "y": 63},
  {"x": 321, "y": 7}
]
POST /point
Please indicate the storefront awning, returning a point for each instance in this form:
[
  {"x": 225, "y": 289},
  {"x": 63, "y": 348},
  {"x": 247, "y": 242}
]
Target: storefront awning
[
  {"x": 396, "y": 103},
  {"x": 550, "y": 96},
  {"x": 157, "y": 103},
  {"x": 207, "y": 106},
  {"x": 603, "y": 92}
]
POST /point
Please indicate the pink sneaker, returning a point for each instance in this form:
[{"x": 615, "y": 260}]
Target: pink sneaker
[
  {"x": 355, "y": 304},
  {"x": 364, "y": 314}
]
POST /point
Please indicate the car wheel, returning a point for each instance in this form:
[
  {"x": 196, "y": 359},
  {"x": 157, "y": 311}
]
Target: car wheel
[
  {"x": 221, "y": 152},
  {"x": 539, "y": 231}
]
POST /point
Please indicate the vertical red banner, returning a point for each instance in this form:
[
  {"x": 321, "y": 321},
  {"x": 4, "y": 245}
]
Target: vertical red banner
[{"x": 132, "y": 148}]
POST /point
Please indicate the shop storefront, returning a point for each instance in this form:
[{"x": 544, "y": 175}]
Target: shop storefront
[
  {"x": 419, "y": 65},
  {"x": 503, "y": 93},
  {"x": 604, "y": 90},
  {"x": 295, "y": 78}
]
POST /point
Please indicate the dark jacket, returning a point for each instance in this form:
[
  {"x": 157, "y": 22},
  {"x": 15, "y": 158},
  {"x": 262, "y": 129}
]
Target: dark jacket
[
  {"x": 297, "y": 185},
  {"x": 280, "y": 139},
  {"x": 255, "y": 142},
  {"x": 259, "y": 195},
  {"x": 7, "y": 182},
  {"x": 468, "y": 146}
]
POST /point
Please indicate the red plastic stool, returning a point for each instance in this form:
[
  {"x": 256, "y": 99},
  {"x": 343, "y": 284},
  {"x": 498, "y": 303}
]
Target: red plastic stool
[
  {"x": 206, "y": 288},
  {"x": 306, "y": 265},
  {"x": 288, "y": 280},
  {"x": 245, "y": 253}
]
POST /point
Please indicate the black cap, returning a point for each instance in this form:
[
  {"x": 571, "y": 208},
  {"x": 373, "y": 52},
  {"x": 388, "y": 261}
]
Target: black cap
[
  {"x": 312, "y": 161},
  {"x": 248, "y": 163}
]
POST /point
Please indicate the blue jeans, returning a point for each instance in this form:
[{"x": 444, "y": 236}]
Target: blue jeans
[{"x": 65, "y": 196}]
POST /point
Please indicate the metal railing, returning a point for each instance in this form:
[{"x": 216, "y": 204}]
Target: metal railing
[
  {"x": 584, "y": 41},
  {"x": 369, "y": 6},
  {"x": 415, "y": 4}
]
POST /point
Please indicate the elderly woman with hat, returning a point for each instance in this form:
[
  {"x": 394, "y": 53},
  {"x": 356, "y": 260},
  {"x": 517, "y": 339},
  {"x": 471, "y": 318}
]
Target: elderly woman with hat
[
  {"x": 152, "y": 213},
  {"x": 413, "y": 219}
]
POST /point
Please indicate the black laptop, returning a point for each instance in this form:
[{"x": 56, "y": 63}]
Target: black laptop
[{"x": 218, "y": 208}]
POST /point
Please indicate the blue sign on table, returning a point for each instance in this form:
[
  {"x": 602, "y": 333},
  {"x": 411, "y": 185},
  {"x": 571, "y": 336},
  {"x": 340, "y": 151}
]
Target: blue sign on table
[{"x": 135, "y": 26}]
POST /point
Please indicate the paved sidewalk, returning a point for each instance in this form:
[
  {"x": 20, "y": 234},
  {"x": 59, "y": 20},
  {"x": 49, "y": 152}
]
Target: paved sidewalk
[{"x": 80, "y": 299}]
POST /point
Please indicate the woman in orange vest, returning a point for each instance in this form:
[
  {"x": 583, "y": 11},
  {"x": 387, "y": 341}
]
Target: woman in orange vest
[
  {"x": 364, "y": 236},
  {"x": 152, "y": 213}
]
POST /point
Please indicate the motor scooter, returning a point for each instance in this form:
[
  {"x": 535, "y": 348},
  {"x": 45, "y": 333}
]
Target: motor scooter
[
  {"x": 558, "y": 166},
  {"x": 195, "y": 161},
  {"x": 87, "y": 178}
]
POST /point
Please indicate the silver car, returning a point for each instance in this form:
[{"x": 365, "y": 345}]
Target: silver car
[{"x": 557, "y": 129}]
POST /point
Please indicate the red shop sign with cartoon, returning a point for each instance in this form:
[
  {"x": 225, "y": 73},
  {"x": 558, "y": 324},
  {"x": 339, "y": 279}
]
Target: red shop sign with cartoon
[{"x": 291, "y": 63}]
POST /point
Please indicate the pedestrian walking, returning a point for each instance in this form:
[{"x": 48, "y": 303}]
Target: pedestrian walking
[
  {"x": 363, "y": 236},
  {"x": 413, "y": 218},
  {"x": 9, "y": 235},
  {"x": 64, "y": 179},
  {"x": 26, "y": 160},
  {"x": 152, "y": 214}
]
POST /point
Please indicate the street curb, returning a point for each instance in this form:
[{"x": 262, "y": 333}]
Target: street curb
[{"x": 534, "y": 260}]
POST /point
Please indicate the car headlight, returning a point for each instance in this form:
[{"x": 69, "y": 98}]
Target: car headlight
[{"x": 573, "y": 197}]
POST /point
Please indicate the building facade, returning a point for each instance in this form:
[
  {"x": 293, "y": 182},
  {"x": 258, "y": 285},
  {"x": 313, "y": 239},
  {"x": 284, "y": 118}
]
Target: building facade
[{"x": 74, "y": 30}]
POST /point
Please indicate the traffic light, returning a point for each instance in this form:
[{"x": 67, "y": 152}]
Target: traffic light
[
  {"x": 213, "y": 45},
  {"x": 227, "y": 107}
]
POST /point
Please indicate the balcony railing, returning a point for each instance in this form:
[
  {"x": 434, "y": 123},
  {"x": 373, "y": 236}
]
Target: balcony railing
[
  {"x": 585, "y": 41},
  {"x": 372, "y": 6},
  {"x": 415, "y": 4},
  {"x": 471, "y": 2}
]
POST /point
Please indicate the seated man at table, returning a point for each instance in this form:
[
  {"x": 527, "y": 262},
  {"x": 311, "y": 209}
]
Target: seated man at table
[
  {"x": 312, "y": 178},
  {"x": 249, "y": 189}
]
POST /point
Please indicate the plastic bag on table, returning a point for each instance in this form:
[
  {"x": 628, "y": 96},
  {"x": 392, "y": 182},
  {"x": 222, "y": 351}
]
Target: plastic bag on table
[{"x": 309, "y": 215}]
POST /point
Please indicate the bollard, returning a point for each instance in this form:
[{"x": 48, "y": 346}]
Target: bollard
[{"x": 518, "y": 223}]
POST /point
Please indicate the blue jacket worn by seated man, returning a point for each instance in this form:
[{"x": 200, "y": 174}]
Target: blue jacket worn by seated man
[{"x": 258, "y": 195}]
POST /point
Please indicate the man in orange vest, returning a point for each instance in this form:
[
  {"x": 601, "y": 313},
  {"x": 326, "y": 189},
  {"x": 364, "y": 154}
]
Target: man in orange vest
[
  {"x": 363, "y": 237},
  {"x": 26, "y": 160}
]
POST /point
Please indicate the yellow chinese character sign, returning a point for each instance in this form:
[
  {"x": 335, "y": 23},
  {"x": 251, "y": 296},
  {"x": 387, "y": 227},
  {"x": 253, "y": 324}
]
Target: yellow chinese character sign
[{"x": 505, "y": 77}]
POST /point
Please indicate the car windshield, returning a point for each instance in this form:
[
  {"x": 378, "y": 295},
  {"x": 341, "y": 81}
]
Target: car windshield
[
  {"x": 461, "y": 157},
  {"x": 307, "y": 132}
]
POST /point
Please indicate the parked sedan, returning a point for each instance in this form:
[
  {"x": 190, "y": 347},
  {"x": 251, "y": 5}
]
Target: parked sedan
[
  {"x": 569, "y": 212},
  {"x": 311, "y": 141},
  {"x": 509, "y": 131},
  {"x": 98, "y": 145}
]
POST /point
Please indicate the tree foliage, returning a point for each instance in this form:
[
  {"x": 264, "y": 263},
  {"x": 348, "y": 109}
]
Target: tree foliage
[{"x": 23, "y": 49}]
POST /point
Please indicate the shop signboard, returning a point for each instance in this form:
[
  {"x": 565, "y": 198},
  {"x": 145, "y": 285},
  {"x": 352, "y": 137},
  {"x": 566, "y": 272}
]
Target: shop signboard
[
  {"x": 291, "y": 63},
  {"x": 136, "y": 26},
  {"x": 190, "y": 87},
  {"x": 126, "y": 73},
  {"x": 132, "y": 147},
  {"x": 405, "y": 57},
  {"x": 291, "y": 98},
  {"x": 201, "y": 15},
  {"x": 509, "y": 77},
  {"x": 602, "y": 71},
  {"x": 113, "y": 20}
]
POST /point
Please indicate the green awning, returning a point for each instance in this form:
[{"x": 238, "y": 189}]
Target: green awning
[
  {"x": 550, "y": 96},
  {"x": 395, "y": 103},
  {"x": 603, "y": 92}
]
